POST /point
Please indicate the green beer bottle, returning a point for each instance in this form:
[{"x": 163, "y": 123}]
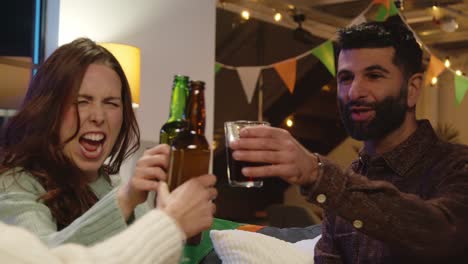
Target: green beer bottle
[{"x": 177, "y": 121}]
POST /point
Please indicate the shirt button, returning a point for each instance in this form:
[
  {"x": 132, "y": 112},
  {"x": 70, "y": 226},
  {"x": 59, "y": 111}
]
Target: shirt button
[
  {"x": 321, "y": 198},
  {"x": 358, "y": 224}
]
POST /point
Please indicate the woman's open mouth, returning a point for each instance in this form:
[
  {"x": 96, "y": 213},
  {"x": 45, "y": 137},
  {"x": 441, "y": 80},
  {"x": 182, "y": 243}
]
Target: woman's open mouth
[{"x": 92, "y": 144}]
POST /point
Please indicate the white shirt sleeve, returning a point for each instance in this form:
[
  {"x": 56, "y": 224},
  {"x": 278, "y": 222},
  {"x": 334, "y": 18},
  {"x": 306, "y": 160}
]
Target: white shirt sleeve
[{"x": 155, "y": 238}]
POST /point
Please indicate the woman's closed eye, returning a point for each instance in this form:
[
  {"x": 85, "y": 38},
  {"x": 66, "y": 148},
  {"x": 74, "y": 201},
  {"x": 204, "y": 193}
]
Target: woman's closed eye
[
  {"x": 82, "y": 102},
  {"x": 113, "y": 103}
]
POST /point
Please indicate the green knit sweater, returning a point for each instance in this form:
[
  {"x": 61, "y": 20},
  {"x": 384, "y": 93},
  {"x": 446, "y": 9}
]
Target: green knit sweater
[{"x": 19, "y": 205}]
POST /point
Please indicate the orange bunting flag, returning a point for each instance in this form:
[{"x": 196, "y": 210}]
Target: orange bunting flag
[
  {"x": 435, "y": 68},
  {"x": 287, "y": 71},
  {"x": 386, "y": 3}
]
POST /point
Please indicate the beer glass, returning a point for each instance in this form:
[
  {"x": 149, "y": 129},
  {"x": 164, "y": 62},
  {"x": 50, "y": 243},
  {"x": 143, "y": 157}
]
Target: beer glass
[{"x": 234, "y": 167}]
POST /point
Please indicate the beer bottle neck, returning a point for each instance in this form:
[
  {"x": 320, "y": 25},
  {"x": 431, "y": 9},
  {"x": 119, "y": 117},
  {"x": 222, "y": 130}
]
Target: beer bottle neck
[
  {"x": 196, "y": 111},
  {"x": 178, "y": 101}
]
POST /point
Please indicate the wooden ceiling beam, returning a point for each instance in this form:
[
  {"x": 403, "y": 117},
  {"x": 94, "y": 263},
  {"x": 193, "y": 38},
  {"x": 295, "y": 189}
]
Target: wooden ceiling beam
[
  {"x": 315, "y": 15},
  {"x": 417, "y": 16},
  {"x": 315, "y": 27},
  {"x": 318, "y": 2},
  {"x": 443, "y": 37}
]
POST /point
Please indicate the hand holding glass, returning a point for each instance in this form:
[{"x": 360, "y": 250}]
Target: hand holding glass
[{"x": 234, "y": 168}]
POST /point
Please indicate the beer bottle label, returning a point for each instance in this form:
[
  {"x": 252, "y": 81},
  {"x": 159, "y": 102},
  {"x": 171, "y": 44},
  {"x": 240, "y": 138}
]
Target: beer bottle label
[{"x": 186, "y": 164}]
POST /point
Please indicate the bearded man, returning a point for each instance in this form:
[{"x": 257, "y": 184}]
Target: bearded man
[{"x": 405, "y": 199}]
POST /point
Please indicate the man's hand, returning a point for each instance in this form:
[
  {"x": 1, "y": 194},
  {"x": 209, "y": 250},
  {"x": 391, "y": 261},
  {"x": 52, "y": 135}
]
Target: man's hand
[{"x": 289, "y": 160}]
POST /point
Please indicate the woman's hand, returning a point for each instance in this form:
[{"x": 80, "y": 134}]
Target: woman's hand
[
  {"x": 190, "y": 204},
  {"x": 150, "y": 169}
]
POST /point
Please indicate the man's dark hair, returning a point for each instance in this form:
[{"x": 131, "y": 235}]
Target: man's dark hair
[{"x": 408, "y": 53}]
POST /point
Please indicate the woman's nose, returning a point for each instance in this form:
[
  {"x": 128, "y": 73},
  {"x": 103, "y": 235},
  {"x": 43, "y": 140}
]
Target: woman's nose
[{"x": 97, "y": 114}]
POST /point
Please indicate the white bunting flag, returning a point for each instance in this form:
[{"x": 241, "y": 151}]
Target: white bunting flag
[{"x": 249, "y": 77}]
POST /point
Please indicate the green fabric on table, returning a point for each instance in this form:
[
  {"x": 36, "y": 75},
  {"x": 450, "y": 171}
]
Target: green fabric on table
[{"x": 194, "y": 254}]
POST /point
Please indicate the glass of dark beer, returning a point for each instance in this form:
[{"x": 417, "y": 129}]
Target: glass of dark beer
[{"x": 234, "y": 168}]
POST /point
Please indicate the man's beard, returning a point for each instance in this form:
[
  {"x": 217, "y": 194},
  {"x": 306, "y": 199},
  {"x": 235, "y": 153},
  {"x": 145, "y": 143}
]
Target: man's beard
[{"x": 389, "y": 115}]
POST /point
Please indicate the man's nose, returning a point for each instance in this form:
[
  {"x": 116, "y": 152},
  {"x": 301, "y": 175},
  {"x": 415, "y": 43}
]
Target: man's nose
[{"x": 357, "y": 90}]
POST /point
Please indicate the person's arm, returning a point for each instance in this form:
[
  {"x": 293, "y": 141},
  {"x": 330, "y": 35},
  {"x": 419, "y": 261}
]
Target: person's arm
[
  {"x": 428, "y": 228},
  {"x": 155, "y": 238},
  {"x": 19, "y": 206}
]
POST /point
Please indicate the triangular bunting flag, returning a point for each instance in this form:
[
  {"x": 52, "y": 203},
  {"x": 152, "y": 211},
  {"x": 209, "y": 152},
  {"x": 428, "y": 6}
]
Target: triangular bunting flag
[
  {"x": 248, "y": 77},
  {"x": 326, "y": 55},
  {"x": 217, "y": 67},
  {"x": 461, "y": 86},
  {"x": 385, "y": 3},
  {"x": 436, "y": 66},
  {"x": 287, "y": 71},
  {"x": 393, "y": 9},
  {"x": 385, "y": 10},
  {"x": 358, "y": 20},
  {"x": 381, "y": 14}
]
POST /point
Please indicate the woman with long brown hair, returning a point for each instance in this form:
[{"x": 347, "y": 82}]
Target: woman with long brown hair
[{"x": 75, "y": 128}]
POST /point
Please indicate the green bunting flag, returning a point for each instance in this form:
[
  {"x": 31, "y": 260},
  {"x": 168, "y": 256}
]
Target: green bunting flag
[
  {"x": 326, "y": 55},
  {"x": 217, "y": 67},
  {"x": 461, "y": 86},
  {"x": 393, "y": 9},
  {"x": 383, "y": 12}
]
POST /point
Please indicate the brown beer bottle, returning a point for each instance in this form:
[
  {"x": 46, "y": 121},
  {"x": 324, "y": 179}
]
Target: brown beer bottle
[
  {"x": 177, "y": 121},
  {"x": 190, "y": 151}
]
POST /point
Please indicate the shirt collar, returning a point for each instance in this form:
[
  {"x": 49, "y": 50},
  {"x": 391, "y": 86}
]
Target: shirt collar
[{"x": 405, "y": 155}]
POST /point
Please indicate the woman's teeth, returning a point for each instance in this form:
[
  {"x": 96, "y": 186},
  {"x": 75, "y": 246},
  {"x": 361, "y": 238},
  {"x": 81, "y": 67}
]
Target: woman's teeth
[{"x": 94, "y": 136}]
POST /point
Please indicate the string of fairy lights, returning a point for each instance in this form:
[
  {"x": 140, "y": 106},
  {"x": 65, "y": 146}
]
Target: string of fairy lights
[
  {"x": 448, "y": 65},
  {"x": 277, "y": 16},
  {"x": 436, "y": 12},
  {"x": 452, "y": 25}
]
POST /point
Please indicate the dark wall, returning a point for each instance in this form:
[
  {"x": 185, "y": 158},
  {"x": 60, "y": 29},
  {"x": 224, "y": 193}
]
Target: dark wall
[
  {"x": 16, "y": 30},
  {"x": 257, "y": 43}
]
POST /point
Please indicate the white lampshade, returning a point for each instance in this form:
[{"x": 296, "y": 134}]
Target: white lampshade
[{"x": 129, "y": 58}]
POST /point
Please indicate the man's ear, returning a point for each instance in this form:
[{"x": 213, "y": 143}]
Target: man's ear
[{"x": 415, "y": 83}]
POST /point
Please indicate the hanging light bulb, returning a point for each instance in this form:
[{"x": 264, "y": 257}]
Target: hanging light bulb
[
  {"x": 245, "y": 14},
  {"x": 448, "y": 24},
  {"x": 458, "y": 72},
  {"x": 436, "y": 14},
  {"x": 434, "y": 81},
  {"x": 447, "y": 62},
  {"x": 278, "y": 17},
  {"x": 289, "y": 122}
]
